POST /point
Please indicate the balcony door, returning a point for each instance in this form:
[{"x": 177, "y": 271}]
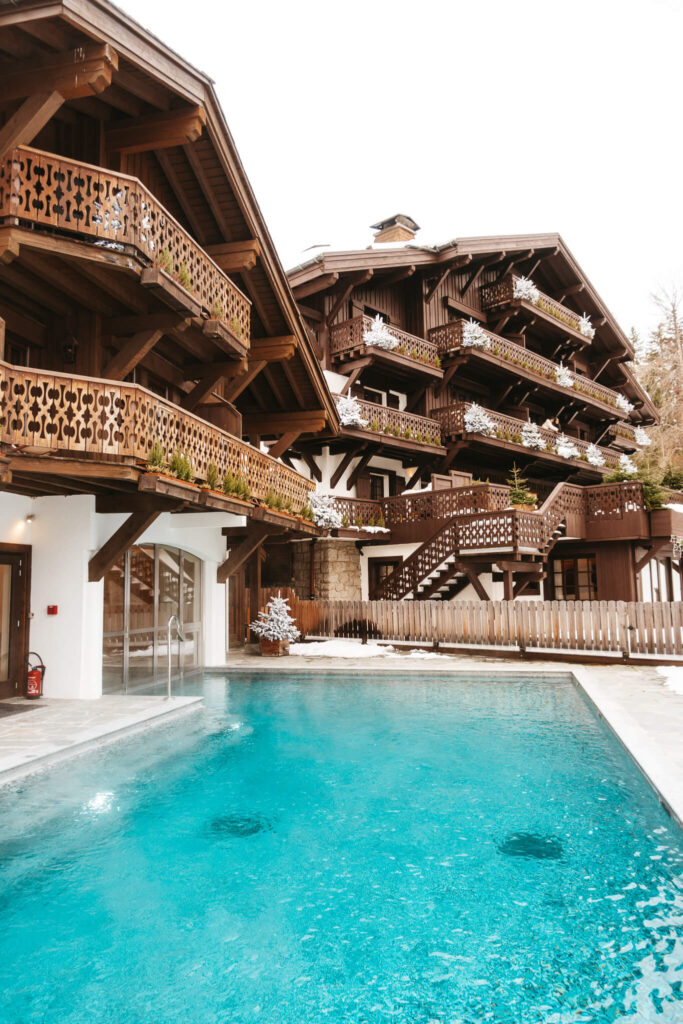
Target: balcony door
[{"x": 15, "y": 581}]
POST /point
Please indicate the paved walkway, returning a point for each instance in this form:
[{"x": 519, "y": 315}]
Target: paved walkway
[{"x": 36, "y": 733}]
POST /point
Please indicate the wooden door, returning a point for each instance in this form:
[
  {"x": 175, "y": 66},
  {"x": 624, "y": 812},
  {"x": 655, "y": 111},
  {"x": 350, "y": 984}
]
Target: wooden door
[
  {"x": 15, "y": 589},
  {"x": 238, "y": 605}
]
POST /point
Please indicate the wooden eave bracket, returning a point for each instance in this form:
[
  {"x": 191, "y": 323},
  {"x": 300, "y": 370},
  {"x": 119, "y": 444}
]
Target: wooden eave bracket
[
  {"x": 119, "y": 542},
  {"x": 75, "y": 74},
  {"x": 235, "y": 257},
  {"x": 274, "y": 349},
  {"x": 256, "y": 534},
  {"x": 161, "y": 130}
]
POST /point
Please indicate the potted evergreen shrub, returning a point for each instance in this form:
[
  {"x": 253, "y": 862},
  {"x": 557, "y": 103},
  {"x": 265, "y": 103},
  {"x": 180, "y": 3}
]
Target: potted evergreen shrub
[
  {"x": 520, "y": 496},
  {"x": 275, "y": 628}
]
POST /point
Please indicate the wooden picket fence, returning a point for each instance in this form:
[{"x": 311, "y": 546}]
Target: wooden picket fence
[{"x": 617, "y": 627}]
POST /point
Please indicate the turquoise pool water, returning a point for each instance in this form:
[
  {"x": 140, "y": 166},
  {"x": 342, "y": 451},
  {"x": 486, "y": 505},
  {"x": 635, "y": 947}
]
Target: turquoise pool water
[{"x": 344, "y": 850}]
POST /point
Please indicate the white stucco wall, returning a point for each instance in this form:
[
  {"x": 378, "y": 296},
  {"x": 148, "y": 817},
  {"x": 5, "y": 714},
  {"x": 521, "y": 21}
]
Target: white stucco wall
[{"x": 63, "y": 535}]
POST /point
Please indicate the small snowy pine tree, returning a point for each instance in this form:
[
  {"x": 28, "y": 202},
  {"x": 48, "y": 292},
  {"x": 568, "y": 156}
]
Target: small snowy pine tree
[{"x": 276, "y": 623}]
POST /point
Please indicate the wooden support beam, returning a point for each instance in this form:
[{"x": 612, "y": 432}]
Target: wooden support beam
[
  {"x": 365, "y": 459},
  {"x": 119, "y": 542},
  {"x": 433, "y": 289},
  {"x": 651, "y": 553},
  {"x": 274, "y": 349},
  {"x": 463, "y": 307},
  {"x": 310, "y": 314},
  {"x": 135, "y": 501},
  {"x": 346, "y": 461},
  {"x": 239, "y": 555},
  {"x": 318, "y": 284},
  {"x": 476, "y": 274},
  {"x": 473, "y": 577},
  {"x": 202, "y": 389},
  {"x": 351, "y": 282},
  {"x": 351, "y": 380},
  {"x": 158, "y": 131},
  {"x": 235, "y": 257},
  {"x": 135, "y": 349},
  {"x": 50, "y": 466},
  {"x": 291, "y": 380},
  {"x": 307, "y": 421},
  {"x": 508, "y": 591},
  {"x": 313, "y": 466},
  {"x": 522, "y": 585},
  {"x": 519, "y": 565},
  {"x": 398, "y": 275},
  {"x": 285, "y": 442},
  {"x": 229, "y": 368},
  {"x": 27, "y": 121},
  {"x": 416, "y": 398},
  {"x": 243, "y": 380},
  {"x": 447, "y": 377},
  {"x": 82, "y": 71}
]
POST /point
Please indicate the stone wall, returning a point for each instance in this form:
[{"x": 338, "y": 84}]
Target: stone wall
[{"x": 336, "y": 570}]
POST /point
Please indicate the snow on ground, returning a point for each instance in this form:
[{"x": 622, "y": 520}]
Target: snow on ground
[
  {"x": 354, "y": 649},
  {"x": 675, "y": 506},
  {"x": 673, "y": 677}
]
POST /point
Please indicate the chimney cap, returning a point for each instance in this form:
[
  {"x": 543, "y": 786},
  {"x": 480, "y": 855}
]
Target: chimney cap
[{"x": 398, "y": 219}]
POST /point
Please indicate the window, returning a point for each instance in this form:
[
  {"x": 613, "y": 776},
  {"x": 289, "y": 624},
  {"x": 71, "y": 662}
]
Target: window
[
  {"x": 376, "y": 486},
  {"x": 370, "y": 395},
  {"x": 575, "y": 579},
  {"x": 393, "y": 400},
  {"x": 142, "y": 590},
  {"x": 369, "y": 311},
  {"x": 660, "y": 580},
  {"x": 378, "y": 570}
]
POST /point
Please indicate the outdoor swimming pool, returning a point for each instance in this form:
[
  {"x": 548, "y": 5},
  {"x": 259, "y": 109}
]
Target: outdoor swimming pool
[{"x": 346, "y": 850}]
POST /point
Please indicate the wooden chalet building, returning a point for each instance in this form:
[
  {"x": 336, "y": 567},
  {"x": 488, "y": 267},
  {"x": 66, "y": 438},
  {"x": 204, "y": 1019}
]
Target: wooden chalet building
[
  {"x": 488, "y": 352},
  {"x": 141, "y": 303}
]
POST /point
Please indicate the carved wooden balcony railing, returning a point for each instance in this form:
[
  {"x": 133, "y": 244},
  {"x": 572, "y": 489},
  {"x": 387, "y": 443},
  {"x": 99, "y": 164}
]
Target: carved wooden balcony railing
[
  {"x": 50, "y": 412},
  {"x": 509, "y": 429},
  {"x": 359, "y": 511},
  {"x": 501, "y": 294},
  {"x": 402, "y": 509},
  {"x": 449, "y": 339},
  {"x": 117, "y": 211},
  {"x": 346, "y": 342},
  {"x": 406, "y": 426}
]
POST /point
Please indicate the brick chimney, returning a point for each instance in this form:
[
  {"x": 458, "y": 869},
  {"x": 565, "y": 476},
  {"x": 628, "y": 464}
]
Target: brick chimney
[{"x": 398, "y": 228}]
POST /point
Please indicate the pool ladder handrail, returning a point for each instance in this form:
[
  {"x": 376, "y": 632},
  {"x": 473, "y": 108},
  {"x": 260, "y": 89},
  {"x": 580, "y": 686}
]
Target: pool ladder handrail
[{"x": 181, "y": 640}]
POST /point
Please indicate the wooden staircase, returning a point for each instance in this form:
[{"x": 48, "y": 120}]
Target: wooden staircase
[{"x": 443, "y": 566}]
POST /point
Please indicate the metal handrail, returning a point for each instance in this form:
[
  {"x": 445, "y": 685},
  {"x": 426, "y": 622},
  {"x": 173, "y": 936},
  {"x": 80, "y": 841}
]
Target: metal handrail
[{"x": 181, "y": 639}]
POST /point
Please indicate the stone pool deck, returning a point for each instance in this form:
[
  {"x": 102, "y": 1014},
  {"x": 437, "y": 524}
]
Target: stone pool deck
[
  {"x": 35, "y": 734},
  {"x": 645, "y": 715}
]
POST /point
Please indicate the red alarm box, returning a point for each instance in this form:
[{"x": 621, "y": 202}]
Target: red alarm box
[{"x": 52, "y": 609}]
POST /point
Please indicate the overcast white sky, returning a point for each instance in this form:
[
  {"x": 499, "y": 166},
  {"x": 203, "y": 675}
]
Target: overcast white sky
[{"x": 472, "y": 117}]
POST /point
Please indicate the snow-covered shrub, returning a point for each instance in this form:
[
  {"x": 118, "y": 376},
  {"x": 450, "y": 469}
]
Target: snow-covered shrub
[
  {"x": 566, "y": 448},
  {"x": 586, "y": 327},
  {"x": 276, "y": 623},
  {"x": 532, "y": 437},
  {"x": 324, "y": 512},
  {"x": 477, "y": 421},
  {"x": 624, "y": 404},
  {"x": 594, "y": 455},
  {"x": 641, "y": 438},
  {"x": 564, "y": 376},
  {"x": 380, "y": 335},
  {"x": 524, "y": 288},
  {"x": 350, "y": 414},
  {"x": 474, "y": 336},
  {"x": 626, "y": 465}
]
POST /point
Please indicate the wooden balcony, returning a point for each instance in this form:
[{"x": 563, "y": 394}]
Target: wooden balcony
[
  {"x": 412, "y": 354},
  {"x": 521, "y": 361},
  {"x": 396, "y": 428},
  {"x": 118, "y": 213},
  {"x": 508, "y": 433},
  {"x": 500, "y": 296},
  {"x": 89, "y": 419}
]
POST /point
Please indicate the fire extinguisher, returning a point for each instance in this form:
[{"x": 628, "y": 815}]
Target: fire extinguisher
[{"x": 36, "y": 674}]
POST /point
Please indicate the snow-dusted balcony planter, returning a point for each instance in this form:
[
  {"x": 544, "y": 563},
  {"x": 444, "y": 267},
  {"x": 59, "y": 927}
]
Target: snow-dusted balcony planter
[
  {"x": 380, "y": 335},
  {"x": 624, "y": 404},
  {"x": 564, "y": 376},
  {"x": 566, "y": 448},
  {"x": 586, "y": 327},
  {"x": 474, "y": 336},
  {"x": 524, "y": 288},
  {"x": 595, "y": 456},
  {"x": 532, "y": 437},
  {"x": 477, "y": 421},
  {"x": 350, "y": 414}
]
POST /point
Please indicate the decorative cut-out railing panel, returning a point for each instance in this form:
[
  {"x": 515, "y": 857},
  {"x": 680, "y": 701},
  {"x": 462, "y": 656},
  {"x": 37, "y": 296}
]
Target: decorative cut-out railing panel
[
  {"x": 450, "y": 337},
  {"x": 509, "y": 429},
  {"x": 381, "y": 419},
  {"x": 117, "y": 210},
  {"x": 442, "y": 504},
  {"x": 502, "y": 293},
  {"x": 346, "y": 340},
  {"x": 48, "y": 412}
]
